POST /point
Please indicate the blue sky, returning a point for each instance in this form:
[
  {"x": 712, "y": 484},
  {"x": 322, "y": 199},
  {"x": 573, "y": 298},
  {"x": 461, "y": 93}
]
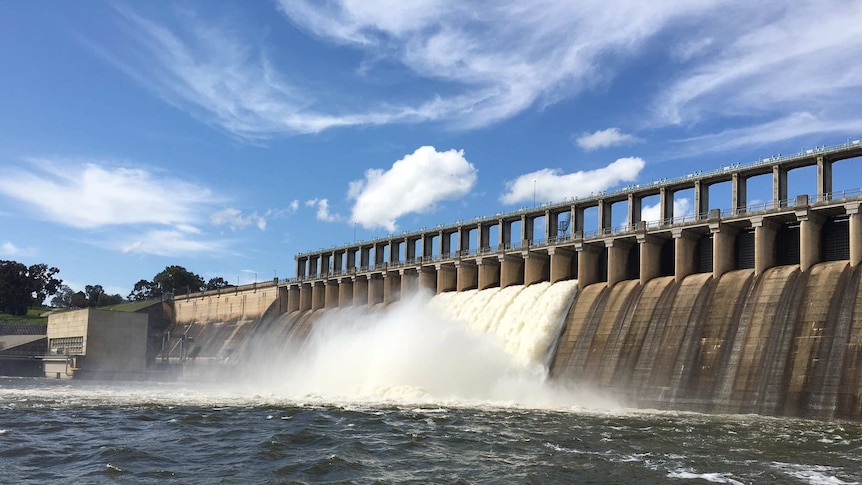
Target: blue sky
[{"x": 228, "y": 136}]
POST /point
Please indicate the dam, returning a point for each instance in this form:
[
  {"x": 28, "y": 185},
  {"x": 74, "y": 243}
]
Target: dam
[{"x": 754, "y": 308}]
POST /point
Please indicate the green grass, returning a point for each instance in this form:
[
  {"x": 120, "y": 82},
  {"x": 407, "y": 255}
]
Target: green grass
[
  {"x": 32, "y": 316},
  {"x": 131, "y": 306}
]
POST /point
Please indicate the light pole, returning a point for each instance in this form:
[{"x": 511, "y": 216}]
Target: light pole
[{"x": 534, "y": 192}]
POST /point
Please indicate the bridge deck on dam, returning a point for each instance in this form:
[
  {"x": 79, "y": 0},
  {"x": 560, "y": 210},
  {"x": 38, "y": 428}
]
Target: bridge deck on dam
[{"x": 803, "y": 230}]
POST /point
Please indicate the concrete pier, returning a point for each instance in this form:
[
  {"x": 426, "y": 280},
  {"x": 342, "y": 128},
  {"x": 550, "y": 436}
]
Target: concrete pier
[
  {"x": 467, "y": 275},
  {"x": 345, "y": 292},
  {"x": 489, "y": 273},
  {"x": 511, "y": 270},
  {"x": 536, "y": 267}
]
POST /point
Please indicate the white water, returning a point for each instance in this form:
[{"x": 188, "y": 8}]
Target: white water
[{"x": 474, "y": 347}]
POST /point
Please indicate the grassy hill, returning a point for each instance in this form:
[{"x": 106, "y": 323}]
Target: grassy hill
[{"x": 32, "y": 316}]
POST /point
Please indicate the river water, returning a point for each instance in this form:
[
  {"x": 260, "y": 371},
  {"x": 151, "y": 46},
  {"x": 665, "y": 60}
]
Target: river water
[{"x": 155, "y": 433}]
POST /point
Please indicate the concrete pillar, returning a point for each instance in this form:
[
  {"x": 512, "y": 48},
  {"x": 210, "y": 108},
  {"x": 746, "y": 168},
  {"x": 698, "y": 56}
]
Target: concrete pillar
[
  {"x": 588, "y": 264},
  {"x": 365, "y": 257},
  {"x": 855, "y": 222},
  {"x": 650, "y": 256},
  {"x": 484, "y": 232},
  {"x": 318, "y": 295},
  {"x": 391, "y": 286},
  {"x": 312, "y": 265},
  {"x": 447, "y": 277},
  {"x": 395, "y": 251},
  {"x": 684, "y": 247},
  {"x": 511, "y": 270},
  {"x": 360, "y": 290},
  {"x": 305, "y": 297},
  {"x": 634, "y": 210},
  {"x": 505, "y": 234},
  {"x": 577, "y": 225},
  {"x": 527, "y": 223},
  {"x": 810, "y": 225},
  {"x": 463, "y": 241},
  {"x": 701, "y": 200},
  {"x": 409, "y": 281},
  {"x": 325, "y": 264},
  {"x": 345, "y": 292},
  {"x": 293, "y": 298},
  {"x": 665, "y": 209},
  {"x": 765, "y": 250},
  {"x": 723, "y": 248},
  {"x": 551, "y": 225},
  {"x": 536, "y": 267},
  {"x": 561, "y": 264},
  {"x": 338, "y": 261},
  {"x": 738, "y": 193},
  {"x": 351, "y": 259},
  {"x": 375, "y": 289},
  {"x": 489, "y": 273},
  {"x": 467, "y": 275},
  {"x": 779, "y": 186},
  {"x": 618, "y": 251},
  {"x": 330, "y": 298},
  {"x": 380, "y": 255},
  {"x": 427, "y": 247},
  {"x": 410, "y": 249},
  {"x": 428, "y": 278},
  {"x": 301, "y": 267},
  {"x": 824, "y": 179},
  {"x": 604, "y": 217}
]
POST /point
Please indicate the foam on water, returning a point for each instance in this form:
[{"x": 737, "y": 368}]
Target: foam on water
[{"x": 459, "y": 348}]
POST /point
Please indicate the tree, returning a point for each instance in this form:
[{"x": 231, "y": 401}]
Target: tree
[
  {"x": 94, "y": 293},
  {"x": 144, "y": 290},
  {"x": 178, "y": 280},
  {"x": 217, "y": 283},
  {"x": 22, "y": 287},
  {"x": 63, "y": 298},
  {"x": 109, "y": 300},
  {"x": 79, "y": 300}
]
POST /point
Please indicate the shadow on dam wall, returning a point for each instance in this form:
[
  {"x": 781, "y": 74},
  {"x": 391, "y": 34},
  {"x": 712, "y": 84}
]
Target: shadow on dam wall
[{"x": 785, "y": 343}]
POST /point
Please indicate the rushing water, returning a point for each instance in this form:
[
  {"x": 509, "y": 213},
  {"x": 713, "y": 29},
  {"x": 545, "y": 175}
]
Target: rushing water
[
  {"x": 115, "y": 433},
  {"x": 448, "y": 392}
]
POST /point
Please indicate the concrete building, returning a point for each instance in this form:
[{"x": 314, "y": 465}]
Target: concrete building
[{"x": 93, "y": 343}]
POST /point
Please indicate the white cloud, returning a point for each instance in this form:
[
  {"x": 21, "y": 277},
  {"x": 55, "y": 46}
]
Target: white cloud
[
  {"x": 234, "y": 219},
  {"x": 552, "y": 185},
  {"x": 604, "y": 138},
  {"x": 681, "y": 207},
  {"x": 294, "y": 206},
  {"x": 414, "y": 184},
  {"x": 323, "y": 213},
  {"x": 9, "y": 249},
  {"x": 88, "y": 195}
]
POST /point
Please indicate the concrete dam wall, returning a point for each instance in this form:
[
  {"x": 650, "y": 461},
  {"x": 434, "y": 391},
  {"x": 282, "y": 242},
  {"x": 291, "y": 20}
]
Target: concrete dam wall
[{"x": 785, "y": 343}]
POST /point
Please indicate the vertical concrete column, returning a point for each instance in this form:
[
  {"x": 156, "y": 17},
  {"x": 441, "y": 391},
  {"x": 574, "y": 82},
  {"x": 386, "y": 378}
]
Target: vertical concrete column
[
  {"x": 824, "y": 179},
  {"x": 765, "y": 250},
  {"x": 484, "y": 232},
  {"x": 723, "y": 248},
  {"x": 604, "y": 217},
  {"x": 855, "y": 223},
  {"x": 409, "y": 281},
  {"x": 505, "y": 234},
  {"x": 447, "y": 277},
  {"x": 650, "y": 256},
  {"x": 301, "y": 267},
  {"x": 338, "y": 261},
  {"x": 588, "y": 264},
  {"x": 561, "y": 264},
  {"x": 360, "y": 290},
  {"x": 551, "y": 225},
  {"x": 395, "y": 251},
  {"x": 365, "y": 257},
  {"x": 684, "y": 247},
  {"x": 345, "y": 292},
  {"x": 375, "y": 289},
  {"x": 391, "y": 287},
  {"x": 330, "y": 298},
  {"x": 527, "y": 222},
  {"x": 577, "y": 225},
  {"x": 536, "y": 267},
  {"x": 305, "y": 297},
  {"x": 463, "y": 241},
  {"x": 489, "y": 273},
  {"x": 779, "y": 186},
  {"x": 618, "y": 252},
  {"x": 427, "y": 247},
  {"x": 701, "y": 200},
  {"x": 380, "y": 255},
  {"x": 511, "y": 270},
  {"x": 313, "y": 262},
  {"x": 325, "y": 260},
  {"x": 810, "y": 225},
  {"x": 428, "y": 278},
  {"x": 409, "y": 249},
  {"x": 445, "y": 244},
  {"x": 738, "y": 193},
  {"x": 467, "y": 275},
  {"x": 293, "y": 298},
  {"x": 318, "y": 295},
  {"x": 351, "y": 259},
  {"x": 635, "y": 209},
  {"x": 665, "y": 196}
]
